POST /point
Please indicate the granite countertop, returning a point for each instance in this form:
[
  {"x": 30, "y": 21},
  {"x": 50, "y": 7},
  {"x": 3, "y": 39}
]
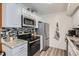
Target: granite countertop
[
  {"x": 15, "y": 43},
  {"x": 74, "y": 39}
]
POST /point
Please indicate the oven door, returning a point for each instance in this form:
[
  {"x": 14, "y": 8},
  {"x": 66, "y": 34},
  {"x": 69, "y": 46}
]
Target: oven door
[{"x": 33, "y": 47}]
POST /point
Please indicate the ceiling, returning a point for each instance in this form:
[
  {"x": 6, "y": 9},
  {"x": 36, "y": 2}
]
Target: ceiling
[
  {"x": 47, "y": 8},
  {"x": 72, "y": 8}
]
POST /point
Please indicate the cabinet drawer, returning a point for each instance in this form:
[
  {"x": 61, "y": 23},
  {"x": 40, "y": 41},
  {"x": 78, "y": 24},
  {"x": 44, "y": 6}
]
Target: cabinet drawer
[
  {"x": 20, "y": 47},
  {"x": 20, "y": 53},
  {"x": 21, "y": 50}
]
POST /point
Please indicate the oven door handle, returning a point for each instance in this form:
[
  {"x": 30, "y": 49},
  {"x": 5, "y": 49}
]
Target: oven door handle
[{"x": 33, "y": 41}]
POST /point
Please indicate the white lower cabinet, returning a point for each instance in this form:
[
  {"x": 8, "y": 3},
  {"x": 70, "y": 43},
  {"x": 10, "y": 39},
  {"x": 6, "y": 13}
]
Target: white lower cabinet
[
  {"x": 71, "y": 51},
  {"x": 71, "y": 47},
  {"x": 16, "y": 51}
]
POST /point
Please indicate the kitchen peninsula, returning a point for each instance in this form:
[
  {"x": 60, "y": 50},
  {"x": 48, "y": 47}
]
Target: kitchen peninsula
[{"x": 16, "y": 47}]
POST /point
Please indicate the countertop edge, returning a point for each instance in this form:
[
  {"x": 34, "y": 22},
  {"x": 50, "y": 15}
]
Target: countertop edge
[{"x": 17, "y": 45}]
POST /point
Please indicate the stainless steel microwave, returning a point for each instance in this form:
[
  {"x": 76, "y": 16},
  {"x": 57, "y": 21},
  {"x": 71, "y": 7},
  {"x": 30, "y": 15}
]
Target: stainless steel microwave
[{"x": 25, "y": 21}]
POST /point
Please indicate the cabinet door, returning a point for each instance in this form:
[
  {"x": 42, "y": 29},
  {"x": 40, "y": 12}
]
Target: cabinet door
[
  {"x": 71, "y": 52},
  {"x": 20, "y": 50},
  {"x": 75, "y": 18},
  {"x": 7, "y": 50},
  {"x": 12, "y": 15},
  {"x": 36, "y": 23},
  {"x": 37, "y": 18},
  {"x": 17, "y": 20}
]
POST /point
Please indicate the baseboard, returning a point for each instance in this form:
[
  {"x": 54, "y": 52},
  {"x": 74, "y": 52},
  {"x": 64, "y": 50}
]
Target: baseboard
[{"x": 58, "y": 48}]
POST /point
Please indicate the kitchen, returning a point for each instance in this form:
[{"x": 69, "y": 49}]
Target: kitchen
[
  {"x": 19, "y": 31},
  {"x": 39, "y": 29}
]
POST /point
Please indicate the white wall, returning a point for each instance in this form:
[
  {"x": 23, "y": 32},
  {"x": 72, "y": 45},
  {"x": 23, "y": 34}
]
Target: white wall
[{"x": 65, "y": 23}]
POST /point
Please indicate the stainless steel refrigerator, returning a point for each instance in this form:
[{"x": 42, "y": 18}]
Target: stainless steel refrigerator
[{"x": 43, "y": 29}]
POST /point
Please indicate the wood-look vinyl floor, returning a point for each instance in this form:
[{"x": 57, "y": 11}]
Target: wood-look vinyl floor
[{"x": 53, "y": 52}]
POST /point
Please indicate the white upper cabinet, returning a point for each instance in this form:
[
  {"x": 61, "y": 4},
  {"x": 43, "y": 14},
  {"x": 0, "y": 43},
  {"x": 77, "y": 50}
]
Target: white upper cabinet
[
  {"x": 75, "y": 18},
  {"x": 11, "y": 15},
  {"x": 36, "y": 22}
]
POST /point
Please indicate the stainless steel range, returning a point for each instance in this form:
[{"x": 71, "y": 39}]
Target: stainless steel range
[{"x": 33, "y": 43}]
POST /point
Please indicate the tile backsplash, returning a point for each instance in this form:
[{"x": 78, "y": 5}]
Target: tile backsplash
[{"x": 15, "y": 31}]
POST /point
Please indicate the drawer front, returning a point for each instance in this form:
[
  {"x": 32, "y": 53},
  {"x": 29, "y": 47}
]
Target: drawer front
[{"x": 21, "y": 50}]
